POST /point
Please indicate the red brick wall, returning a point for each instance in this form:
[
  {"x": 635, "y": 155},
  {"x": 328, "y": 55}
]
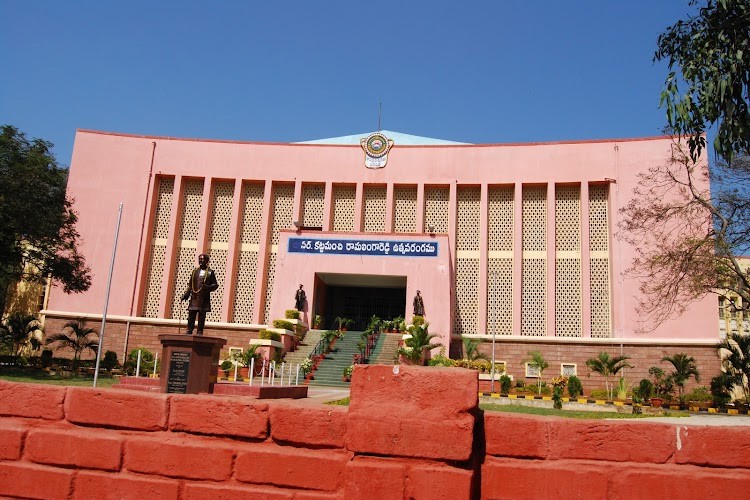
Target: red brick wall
[
  {"x": 642, "y": 357},
  {"x": 142, "y": 335},
  {"x": 403, "y": 436}
]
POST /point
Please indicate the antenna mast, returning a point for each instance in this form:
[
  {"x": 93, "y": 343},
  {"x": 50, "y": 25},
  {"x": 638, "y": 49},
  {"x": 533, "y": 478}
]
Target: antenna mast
[{"x": 380, "y": 112}]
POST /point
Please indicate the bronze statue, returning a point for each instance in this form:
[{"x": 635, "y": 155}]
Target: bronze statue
[
  {"x": 299, "y": 299},
  {"x": 418, "y": 305},
  {"x": 202, "y": 282}
]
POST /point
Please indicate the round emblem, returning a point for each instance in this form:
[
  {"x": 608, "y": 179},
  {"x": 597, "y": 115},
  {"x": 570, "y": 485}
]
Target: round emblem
[{"x": 376, "y": 145}]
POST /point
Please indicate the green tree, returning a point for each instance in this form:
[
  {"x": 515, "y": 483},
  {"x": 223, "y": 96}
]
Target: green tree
[
  {"x": 20, "y": 332},
  {"x": 710, "y": 53},
  {"x": 38, "y": 238},
  {"x": 418, "y": 344},
  {"x": 684, "y": 368},
  {"x": 608, "y": 366},
  {"x": 536, "y": 359},
  {"x": 78, "y": 337},
  {"x": 734, "y": 352}
]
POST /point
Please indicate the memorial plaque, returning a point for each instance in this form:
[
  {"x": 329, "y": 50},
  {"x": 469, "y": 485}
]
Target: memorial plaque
[{"x": 179, "y": 366}]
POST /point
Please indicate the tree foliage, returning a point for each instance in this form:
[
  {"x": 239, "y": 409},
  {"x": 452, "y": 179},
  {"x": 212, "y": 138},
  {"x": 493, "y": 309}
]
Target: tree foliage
[
  {"x": 684, "y": 368},
  {"x": 21, "y": 332},
  {"x": 710, "y": 53},
  {"x": 536, "y": 359},
  {"x": 38, "y": 236},
  {"x": 78, "y": 337},
  {"x": 734, "y": 352},
  {"x": 686, "y": 235}
]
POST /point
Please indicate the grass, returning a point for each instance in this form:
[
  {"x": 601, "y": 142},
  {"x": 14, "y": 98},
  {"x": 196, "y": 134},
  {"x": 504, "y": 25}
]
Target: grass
[
  {"x": 532, "y": 410},
  {"x": 40, "y": 377},
  {"x": 339, "y": 402}
]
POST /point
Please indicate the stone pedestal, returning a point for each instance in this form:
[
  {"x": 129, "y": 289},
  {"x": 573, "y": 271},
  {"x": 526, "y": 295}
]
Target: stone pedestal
[{"x": 189, "y": 363}]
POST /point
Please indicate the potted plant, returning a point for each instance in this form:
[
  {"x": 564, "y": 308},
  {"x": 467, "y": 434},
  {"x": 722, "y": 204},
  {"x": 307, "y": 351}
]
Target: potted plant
[
  {"x": 306, "y": 367},
  {"x": 347, "y": 375},
  {"x": 291, "y": 314},
  {"x": 344, "y": 323},
  {"x": 417, "y": 346},
  {"x": 245, "y": 360},
  {"x": 663, "y": 386},
  {"x": 225, "y": 367},
  {"x": 318, "y": 321}
]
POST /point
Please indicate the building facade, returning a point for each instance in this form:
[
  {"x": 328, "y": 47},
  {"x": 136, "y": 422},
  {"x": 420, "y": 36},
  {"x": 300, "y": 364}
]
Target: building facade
[{"x": 512, "y": 241}]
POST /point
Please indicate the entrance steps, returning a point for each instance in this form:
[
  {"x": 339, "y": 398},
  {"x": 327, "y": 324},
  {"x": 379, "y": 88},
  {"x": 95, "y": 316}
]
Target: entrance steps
[
  {"x": 331, "y": 368},
  {"x": 386, "y": 350},
  {"x": 312, "y": 337}
]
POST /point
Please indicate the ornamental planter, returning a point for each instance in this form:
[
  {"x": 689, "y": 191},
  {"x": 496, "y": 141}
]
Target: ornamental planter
[{"x": 657, "y": 402}]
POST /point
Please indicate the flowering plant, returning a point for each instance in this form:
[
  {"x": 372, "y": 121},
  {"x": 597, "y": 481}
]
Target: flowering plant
[
  {"x": 560, "y": 381},
  {"x": 306, "y": 366}
]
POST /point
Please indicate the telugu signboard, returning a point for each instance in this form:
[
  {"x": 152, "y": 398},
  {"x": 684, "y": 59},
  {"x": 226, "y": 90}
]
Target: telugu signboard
[{"x": 397, "y": 248}]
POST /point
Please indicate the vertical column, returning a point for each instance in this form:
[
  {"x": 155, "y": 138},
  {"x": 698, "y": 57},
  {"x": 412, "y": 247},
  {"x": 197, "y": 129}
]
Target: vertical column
[
  {"x": 420, "y": 208},
  {"x": 265, "y": 229},
  {"x": 297, "y": 204},
  {"x": 232, "y": 252},
  {"x": 482, "y": 312},
  {"x": 585, "y": 262},
  {"x": 139, "y": 285},
  {"x": 551, "y": 259},
  {"x": 389, "y": 203},
  {"x": 517, "y": 256},
  {"x": 204, "y": 221},
  {"x": 172, "y": 243},
  {"x": 359, "y": 196},
  {"x": 328, "y": 206}
]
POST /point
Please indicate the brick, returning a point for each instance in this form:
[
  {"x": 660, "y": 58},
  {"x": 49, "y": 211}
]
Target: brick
[
  {"x": 32, "y": 400},
  {"x": 177, "y": 456},
  {"x": 510, "y": 478},
  {"x": 11, "y": 440},
  {"x": 292, "y": 467},
  {"x": 439, "y": 482},
  {"x": 520, "y": 436},
  {"x": 610, "y": 441},
  {"x": 200, "y": 491},
  {"x": 119, "y": 409},
  {"x": 306, "y": 425},
  {"x": 380, "y": 478},
  {"x": 34, "y": 481},
  {"x": 317, "y": 495},
  {"x": 713, "y": 446},
  {"x": 675, "y": 481},
  {"x": 101, "y": 485},
  {"x": 412, "y": 411},
  {"x": 218, "y": 416},
  {"x": 89, "y": 449}
]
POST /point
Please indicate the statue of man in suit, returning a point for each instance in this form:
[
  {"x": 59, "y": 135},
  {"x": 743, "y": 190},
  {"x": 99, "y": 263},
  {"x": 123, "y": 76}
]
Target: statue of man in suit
[
  {"x": 299, "y": 299},
  {"x": 418, "y": 305},
  {"x": 202, "y": 282}
]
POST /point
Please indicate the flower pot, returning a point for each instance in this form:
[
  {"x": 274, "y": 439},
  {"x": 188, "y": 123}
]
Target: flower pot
[{"x": 656, "y": 402}]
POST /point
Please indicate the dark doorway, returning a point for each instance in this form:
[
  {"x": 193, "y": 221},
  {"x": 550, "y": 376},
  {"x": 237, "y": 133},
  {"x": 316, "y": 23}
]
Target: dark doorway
[{"x": 359, "y": 303}]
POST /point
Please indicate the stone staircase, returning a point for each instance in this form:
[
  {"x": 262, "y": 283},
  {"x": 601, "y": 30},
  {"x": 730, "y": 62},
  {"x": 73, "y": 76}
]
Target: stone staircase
[
  {"x": 385, "y": 350},
  {"x": 331, "y": 369},
  {"x": 312, "y": 337}
]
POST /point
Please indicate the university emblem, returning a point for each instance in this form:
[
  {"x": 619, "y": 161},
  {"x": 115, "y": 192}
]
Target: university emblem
[{"x": 376, "y": 147}]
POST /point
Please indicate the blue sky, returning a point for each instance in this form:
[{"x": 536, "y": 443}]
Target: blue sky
[{"x": 481, "y": 72}]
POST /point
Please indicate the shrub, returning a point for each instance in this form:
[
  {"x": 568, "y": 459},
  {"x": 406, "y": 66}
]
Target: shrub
[
  {"x": 644, "y": 390},
  {"x": 505, "y": 383},
  {"x": 442, "y": 360},
  {"x": 721, "y": 388},
  {"x": 291, "y": 314},
  {"x": 557, "y": 397},
  {"x": 417, "y": 320},
  {"x": 282, "y": 323},
  {"x": 699, "y": 394},
  {"x": 110, "y": 361},
  {"x": 348, "y": 370},
  {"x": 46, "y": 358},
  {"x": 600, "y": 393},
  {"x": 575, "y": 388},
  {"x": 269, "y": 335},
  {"x": 227, "y": 364},
  {"x": 147, "y": 362}
]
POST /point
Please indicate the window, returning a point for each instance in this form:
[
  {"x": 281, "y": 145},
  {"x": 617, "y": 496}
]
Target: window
[
  {"x": 568, "y": 369},
  {"x": 532, "y": 370}
]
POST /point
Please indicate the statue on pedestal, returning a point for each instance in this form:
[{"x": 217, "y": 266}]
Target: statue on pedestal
[{"x": 202, "y": 282}]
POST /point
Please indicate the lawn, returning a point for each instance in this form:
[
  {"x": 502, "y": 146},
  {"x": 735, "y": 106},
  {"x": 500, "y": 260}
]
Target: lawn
[
  {"x": 531, "y": 410},
  {"x": 40, "y": 377}
]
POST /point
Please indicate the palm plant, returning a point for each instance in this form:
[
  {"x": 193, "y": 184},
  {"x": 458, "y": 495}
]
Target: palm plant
[
  {"x": 608, "y": 366},
  {"x": 536, "y": 359},
  {"x": 734, "y": 352},
  {"x": 684, "y": 368},
  {"x": 471, "y": 350},
  {"x": 78, "y": 338},
  {"x": 418, "y": 343},
  {"x": 20, "y": 332}
]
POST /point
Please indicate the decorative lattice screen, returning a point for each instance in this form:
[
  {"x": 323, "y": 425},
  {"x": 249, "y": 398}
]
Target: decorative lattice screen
[
  {"x": 405, "y": 209},
  {"x": 158, "y": 249},
  {"x": 436, "y": 201},
  {"x": 466, "y": 296},
  {"x": 373, "y": 209},
  {"x": 600, "y": 274},
  {"x": 344, "y": 198},
  {"x": 313, "y": 197},
  {"x": 534, "y": 272},
  {"x": 568, "y": 320},
  {"x": 218, "y": 243},
  {"x": 187, "y": 242},
  {"x": 500, "y": 238},
  {"x": 500, "y": 296},
  {"x": 467, "y": 223},
  {"x": 247, "y": 263},
  {"x": 282, "y": 200}
]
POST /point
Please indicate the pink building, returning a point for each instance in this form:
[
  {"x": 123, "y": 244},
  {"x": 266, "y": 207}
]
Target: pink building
[{"x": 515, "y": 240}]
